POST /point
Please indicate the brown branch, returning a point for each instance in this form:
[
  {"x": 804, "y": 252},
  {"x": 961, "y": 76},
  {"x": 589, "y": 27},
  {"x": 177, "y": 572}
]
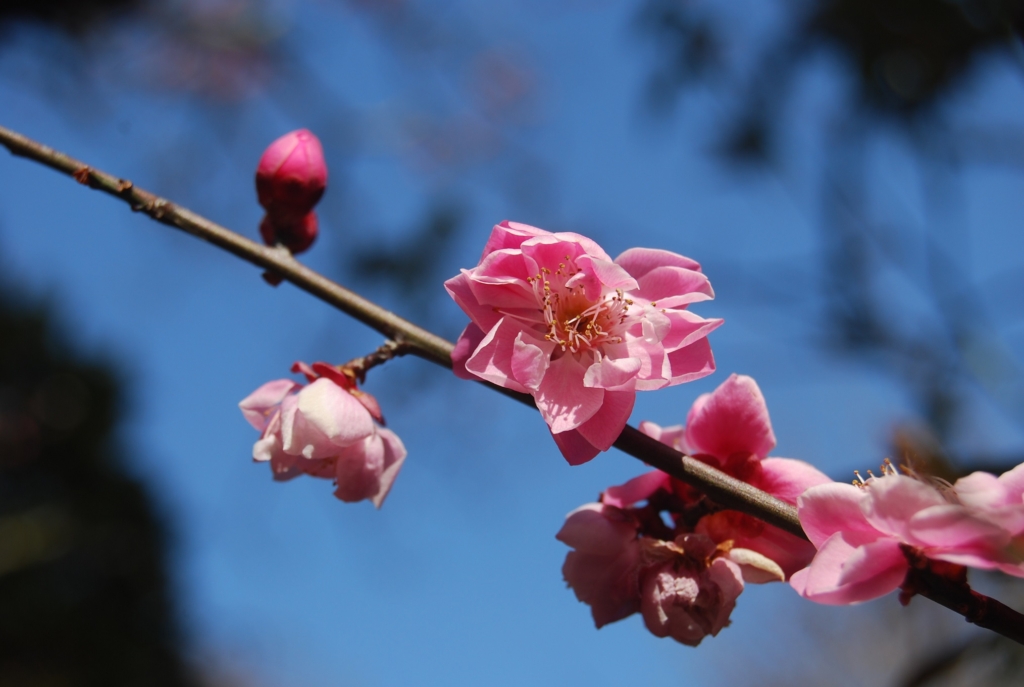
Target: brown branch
[{"x": 727, "y": 491}]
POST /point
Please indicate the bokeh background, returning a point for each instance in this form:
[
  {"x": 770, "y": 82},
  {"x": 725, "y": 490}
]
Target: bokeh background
[{"x": 849, "y": 173}]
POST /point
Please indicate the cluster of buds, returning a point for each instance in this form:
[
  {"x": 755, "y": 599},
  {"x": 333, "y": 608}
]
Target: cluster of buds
[{"x": 290, "y": 179}]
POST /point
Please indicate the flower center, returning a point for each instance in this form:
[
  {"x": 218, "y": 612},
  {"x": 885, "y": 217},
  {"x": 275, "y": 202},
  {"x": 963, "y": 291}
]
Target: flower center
[{"x": 573, "y": 321}]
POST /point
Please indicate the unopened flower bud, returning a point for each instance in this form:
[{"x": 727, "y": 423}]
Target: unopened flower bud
[
  {"x": 294, "y": 233},
  {"x": 291, "y": 175}
]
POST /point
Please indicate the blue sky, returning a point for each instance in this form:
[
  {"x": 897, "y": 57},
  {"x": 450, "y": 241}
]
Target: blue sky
[{"x": 457, "y": 579}]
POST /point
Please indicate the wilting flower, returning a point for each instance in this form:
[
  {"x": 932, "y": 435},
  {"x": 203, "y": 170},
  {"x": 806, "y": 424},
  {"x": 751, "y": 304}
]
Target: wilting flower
[
  {"x": 325, "y": 429},
  {"x": 730, "y": 429},
  {"x": 863, "y": 532},
  {"x": 691, "y": 594},
  {"x": 290, "y": 179},
  {"x": 657, "y": 546},
  {"x": 552, "y": 315}
]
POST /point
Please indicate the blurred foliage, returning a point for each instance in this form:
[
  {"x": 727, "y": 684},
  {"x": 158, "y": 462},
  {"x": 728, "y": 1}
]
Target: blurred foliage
[
  {"x": 84, "y": 594},
  {"x": 73, "y": 16},
  {"x": 415, "y": 265}
]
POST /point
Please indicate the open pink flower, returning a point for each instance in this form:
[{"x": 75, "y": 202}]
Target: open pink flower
[
  {"x": 325, "y": 429},
  {"x": 730, "y": 429},
  {"x": 552, "y": 315},
  {"x": 861, "y": 531}
]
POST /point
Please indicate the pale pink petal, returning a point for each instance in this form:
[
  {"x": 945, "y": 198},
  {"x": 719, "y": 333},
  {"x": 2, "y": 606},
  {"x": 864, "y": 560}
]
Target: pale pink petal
[
  {"x": 530, "y": 360},
  {"x": 981, "y": 490},
  {"x": 612, "y": 374},
  {"x": 636, "y": 490},
  {"x": 590, "y": 247},
  {"x": 598, "y": 529},
  {"x": 1013, "y": 481},
  {"x": 672, "y": 287},
  {"x": 732, "y": 419},
  {"x": 686, "y": 328},
  {"x": 358, "y": 469},
  {"x": 261, "y": 404},
  {"x": 787, "y": 478},
  {"x": 334, "y": 413},
  {"x": 671, "y": 436},
  {"x": 483, "y": 316},
  {"x": 509, "y": 235},
  {"x": 394, "y": 457},
  {"x": 562, "y": 399},
  {"x": 607, "y": 424},
  {"x": 951, "y": 526},
  {"x": 691, "y": 362},
  {"x": 500, "y": 282},
  {"x": 727, "y": 576},
  {"x": 830, "y": 508},
  {"x": 838, "y": 575},
  {"x": 891, "y": 501},
  {"x": 465, "y": 347},
  {"x": 654, "y": 327},
  {"x": 607, "y": 272},
  {"x": 492, "y": 359},
  {"x": 640, "y": 261}
]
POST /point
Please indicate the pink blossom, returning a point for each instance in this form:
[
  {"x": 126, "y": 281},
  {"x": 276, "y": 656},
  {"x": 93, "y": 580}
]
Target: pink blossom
[
  {"x": 552, "y": 315},
  {"x": 325, "y": 429},
  {"x": 691, "y": 594},
  {"x": 604, "y": 567},
  {"x": 861, "y": 532},
  {"x": 730, "y": 429}
]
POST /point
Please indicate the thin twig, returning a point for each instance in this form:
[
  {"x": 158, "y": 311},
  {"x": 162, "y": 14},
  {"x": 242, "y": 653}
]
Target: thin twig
[{"x": 722, "y": 488}]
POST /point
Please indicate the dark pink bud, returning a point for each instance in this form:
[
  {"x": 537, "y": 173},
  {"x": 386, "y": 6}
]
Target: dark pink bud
[
  {"x": 292, "y": 174},
  {"x": 297, "y": 235}
]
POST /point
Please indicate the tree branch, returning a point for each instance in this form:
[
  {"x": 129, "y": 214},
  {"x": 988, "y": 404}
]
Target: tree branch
[{"x": 723, "y": 489}]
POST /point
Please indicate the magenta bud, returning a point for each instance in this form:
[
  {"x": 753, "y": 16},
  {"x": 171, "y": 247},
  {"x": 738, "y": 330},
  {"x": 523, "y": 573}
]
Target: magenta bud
[
  {"x": 292, "y": 175},
  {"x": 295, "y": 234}
]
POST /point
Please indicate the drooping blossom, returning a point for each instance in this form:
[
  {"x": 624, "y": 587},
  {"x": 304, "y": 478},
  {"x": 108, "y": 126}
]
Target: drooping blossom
[
  {"x": 864, "y": 531},
  {"x": 290, "y": 179},
  {"x": 325, "y": 429},
  {"x": 692, "y": 593},
  {"x": 658, "y": 546},
  {"x": 604, "y": 566},
  {"x": 553, "y": 316}
]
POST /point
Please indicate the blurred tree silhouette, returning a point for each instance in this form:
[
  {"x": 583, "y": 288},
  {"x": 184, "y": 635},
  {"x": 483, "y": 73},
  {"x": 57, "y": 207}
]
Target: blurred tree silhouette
[{"x": 84, "y": 595}]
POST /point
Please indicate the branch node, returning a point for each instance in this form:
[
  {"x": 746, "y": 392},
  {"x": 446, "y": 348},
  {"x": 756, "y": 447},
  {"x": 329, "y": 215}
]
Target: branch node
[{"x": 83, "y": 175}]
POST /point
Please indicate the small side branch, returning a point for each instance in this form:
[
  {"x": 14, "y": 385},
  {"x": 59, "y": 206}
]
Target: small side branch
[{"x": 408, "y": 338}]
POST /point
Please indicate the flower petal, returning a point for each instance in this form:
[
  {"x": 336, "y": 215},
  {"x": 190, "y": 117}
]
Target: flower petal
[
  {"x": 562, "y": 399},
  {"x": 492, "y": 359},
  {"x": 394, "y": 457},
  {"x": 830, "y": 508},
  {"x": 261, "y": 404},
  {"x": 636, "y": 490},
  {"x": 607, "y": 423},
  {"x": 891, "y": 501},
  {"x": 732, "y": 419},
  {"x": 358, "y": 469},
  {"x": 640, "y": 261},
  {"x": 787, "y": 478}
]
